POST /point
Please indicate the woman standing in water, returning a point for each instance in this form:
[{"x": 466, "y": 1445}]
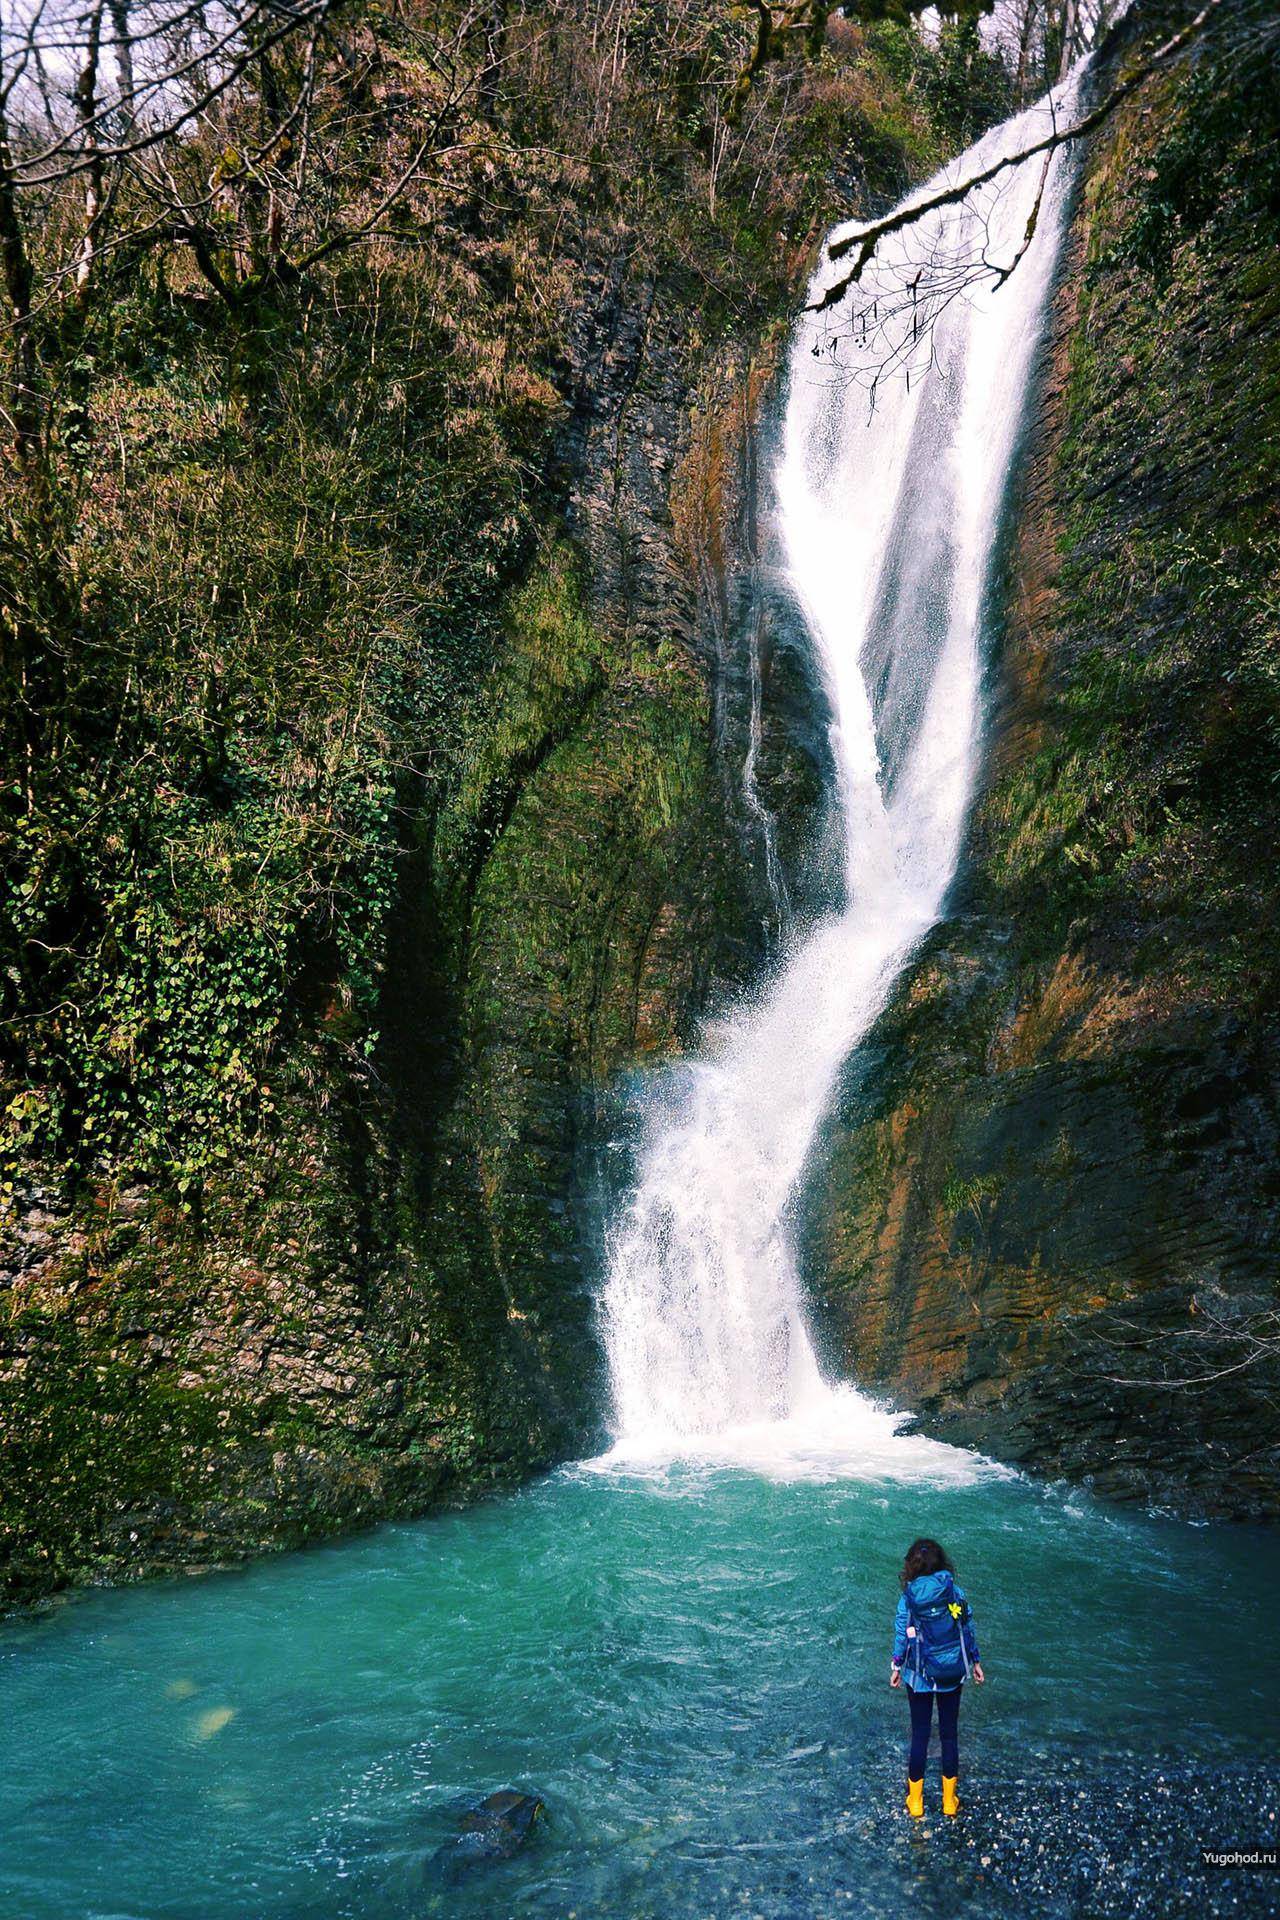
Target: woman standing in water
[{"x": 935, "y": 1650}]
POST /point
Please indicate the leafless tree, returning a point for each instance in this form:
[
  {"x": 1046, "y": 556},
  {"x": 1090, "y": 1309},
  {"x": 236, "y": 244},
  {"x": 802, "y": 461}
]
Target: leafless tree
[
  {"x": 1223, "y": 1337},
  {"x": 890, "y": 330},
  {"x": 1041, "y": 40},
  {"x": 863, "y": 243},
  {"x": 239, "y": 132}
]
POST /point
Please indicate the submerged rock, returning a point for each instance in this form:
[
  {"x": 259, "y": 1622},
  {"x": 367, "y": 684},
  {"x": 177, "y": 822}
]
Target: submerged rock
[{"x": 495, "y": 1830}]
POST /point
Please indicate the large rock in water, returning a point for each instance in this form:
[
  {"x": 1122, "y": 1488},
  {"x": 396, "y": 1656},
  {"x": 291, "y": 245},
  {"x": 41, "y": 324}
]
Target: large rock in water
[{"x": 495, "y": 1830}]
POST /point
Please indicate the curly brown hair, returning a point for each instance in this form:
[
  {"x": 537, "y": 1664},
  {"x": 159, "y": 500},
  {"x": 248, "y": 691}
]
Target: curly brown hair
[{"x": 923, "y": 1556}]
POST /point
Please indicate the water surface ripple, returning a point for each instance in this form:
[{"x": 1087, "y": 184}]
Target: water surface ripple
[{"x": 689, "y": 1667}]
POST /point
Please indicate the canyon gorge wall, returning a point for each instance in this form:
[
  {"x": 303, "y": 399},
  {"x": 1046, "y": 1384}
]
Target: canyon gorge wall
[
  {"x": 1047, "y": 1220},
  {"x": 436, "y": 813},
  {"x": 399, "y": 808}
]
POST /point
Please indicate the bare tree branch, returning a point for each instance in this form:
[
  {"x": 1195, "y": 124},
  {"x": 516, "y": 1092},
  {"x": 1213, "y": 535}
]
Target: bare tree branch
[
  {"x": 868, "y": 238},
  {"x": 35, "y": 169}
]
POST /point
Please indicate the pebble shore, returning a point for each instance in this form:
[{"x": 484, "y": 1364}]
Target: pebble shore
[{"x": 1122, "y": 1843}]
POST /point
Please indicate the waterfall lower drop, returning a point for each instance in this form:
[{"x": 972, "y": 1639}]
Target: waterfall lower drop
[{"x": 903, "y": 411}]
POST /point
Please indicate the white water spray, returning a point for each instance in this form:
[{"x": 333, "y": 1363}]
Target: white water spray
[{"x": 903, "y": 412}]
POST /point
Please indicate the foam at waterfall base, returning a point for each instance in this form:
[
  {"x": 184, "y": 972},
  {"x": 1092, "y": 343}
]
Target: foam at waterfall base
[{"x": 836, "y": 1433}]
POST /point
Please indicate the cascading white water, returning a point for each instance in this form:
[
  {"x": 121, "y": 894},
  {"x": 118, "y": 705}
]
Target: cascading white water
[{"x": 903, "y": 410}]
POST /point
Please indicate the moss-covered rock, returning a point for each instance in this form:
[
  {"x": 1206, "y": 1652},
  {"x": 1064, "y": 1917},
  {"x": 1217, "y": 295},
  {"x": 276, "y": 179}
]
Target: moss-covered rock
[
  {"x": 1048, "y": 1218},
  {"x": 400, "y": 801}
]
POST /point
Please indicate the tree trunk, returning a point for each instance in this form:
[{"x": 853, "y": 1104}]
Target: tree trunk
[
  {"x": 124, "y": 62},
  {"x": 22, "y": 400},
  {"x": 1070, "y": 33},
  {"x": 495, "y": 28},
  {"x": 86, "y": 100}
]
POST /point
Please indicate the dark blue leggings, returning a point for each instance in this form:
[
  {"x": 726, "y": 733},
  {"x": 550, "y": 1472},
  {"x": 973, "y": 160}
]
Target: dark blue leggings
[{"x": 948, "y": 1720}]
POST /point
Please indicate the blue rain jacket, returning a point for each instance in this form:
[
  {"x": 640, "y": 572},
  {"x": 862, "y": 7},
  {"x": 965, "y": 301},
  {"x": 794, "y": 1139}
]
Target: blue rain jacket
[{"x": 927, "y": 1587}]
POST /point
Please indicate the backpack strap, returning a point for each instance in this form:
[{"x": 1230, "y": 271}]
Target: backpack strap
[
  {"x": 960, "y": 1613},
  {"x": 917, "y": 1638}
]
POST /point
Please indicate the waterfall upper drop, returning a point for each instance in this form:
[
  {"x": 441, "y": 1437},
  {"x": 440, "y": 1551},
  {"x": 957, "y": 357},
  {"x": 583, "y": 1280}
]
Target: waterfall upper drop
[{"x": 904, "y": 405}]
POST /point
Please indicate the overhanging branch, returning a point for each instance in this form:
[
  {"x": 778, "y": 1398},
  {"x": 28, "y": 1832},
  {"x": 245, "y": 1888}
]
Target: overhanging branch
[{"x": 868, "y": 238}]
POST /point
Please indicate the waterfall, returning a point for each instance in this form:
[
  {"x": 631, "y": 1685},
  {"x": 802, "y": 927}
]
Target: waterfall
[
  {"x": 904, "y": 404},
  {"x": 775, "y": 879}
]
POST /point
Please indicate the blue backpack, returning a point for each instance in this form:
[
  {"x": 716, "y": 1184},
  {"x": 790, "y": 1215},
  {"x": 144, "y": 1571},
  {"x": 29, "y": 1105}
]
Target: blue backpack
[{"x": 939, "y": 1651}]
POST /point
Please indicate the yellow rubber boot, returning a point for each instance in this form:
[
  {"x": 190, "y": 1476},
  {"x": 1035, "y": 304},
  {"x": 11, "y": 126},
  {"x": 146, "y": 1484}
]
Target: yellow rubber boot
[
  {"x": 915, "y": 1799},
  {"x": 950, "y": 1798}
]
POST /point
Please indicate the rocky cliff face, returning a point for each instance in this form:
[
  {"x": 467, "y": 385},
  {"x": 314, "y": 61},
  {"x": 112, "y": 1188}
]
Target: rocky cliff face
[
  {"x": 1047, "y": 1221},
  {"x": 594, "y": 884},
  {"x": 397, "y": 1305},
  {"x": 364, "y": 1283}
]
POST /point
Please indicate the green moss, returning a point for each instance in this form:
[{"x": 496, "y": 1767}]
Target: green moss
[
  {"x": 1151, "y": 795},
  {"x": 967, "y": 1195},
  {"x": 350, "y": 843},
  {"x": 107, "y": 1444},
  {"x": 545, "y": 671},
  {"x": 1063, "y": 1141}
]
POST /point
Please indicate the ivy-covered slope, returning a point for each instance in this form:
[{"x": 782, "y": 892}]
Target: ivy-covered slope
[
  {"x": 372, "y": 788},
  {"x": 1049, "y": 1217}
]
